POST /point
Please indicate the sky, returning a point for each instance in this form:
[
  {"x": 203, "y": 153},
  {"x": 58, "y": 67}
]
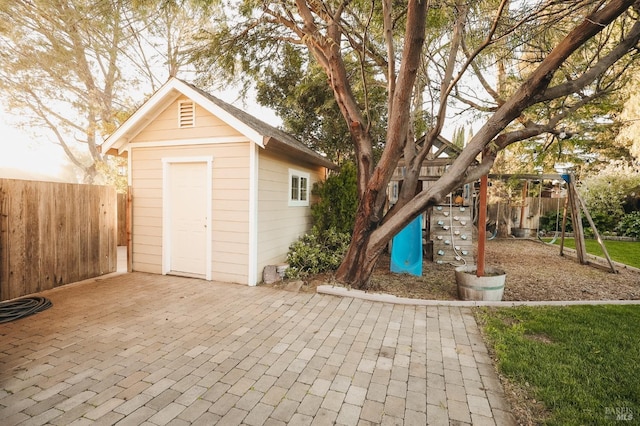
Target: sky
[{"x": 25, "y": 155}]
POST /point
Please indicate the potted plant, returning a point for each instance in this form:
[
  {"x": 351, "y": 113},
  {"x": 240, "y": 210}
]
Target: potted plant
[{"x": 478, "y": 282}]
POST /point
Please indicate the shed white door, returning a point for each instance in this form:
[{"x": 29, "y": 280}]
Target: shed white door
[{"x": 188, "y": 218}]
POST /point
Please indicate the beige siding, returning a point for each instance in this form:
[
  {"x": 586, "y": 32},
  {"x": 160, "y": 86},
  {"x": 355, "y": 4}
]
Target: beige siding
[
  {"x": 165, "y": 126},
  {"x": 230, "y": 195},
  {"x": 278, "y": 223}
]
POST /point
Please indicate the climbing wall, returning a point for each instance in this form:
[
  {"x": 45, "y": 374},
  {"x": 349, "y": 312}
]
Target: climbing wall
[{"x": 452, "y": 234}]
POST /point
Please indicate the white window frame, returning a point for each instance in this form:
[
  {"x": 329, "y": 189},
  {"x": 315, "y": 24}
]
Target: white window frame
[{"x": 297, "y": 201}]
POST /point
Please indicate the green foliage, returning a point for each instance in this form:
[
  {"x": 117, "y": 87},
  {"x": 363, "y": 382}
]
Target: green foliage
[
  {"x": 338, "y": 202},
  {"x": 551, "y": 221},
  {"x": 299, "y": 94},
  {"x": 316, "y": 252},
  {"x": 629, "y": 226},
  {"x": 459, "y": 137},
  {"x": 606, "y": 193},
  {"x": 580, "y": 362},
  {"x": 296, "y": 89},
  {"x": 110, "y": 173}
]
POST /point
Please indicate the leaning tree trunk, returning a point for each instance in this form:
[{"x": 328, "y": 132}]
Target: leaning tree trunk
[{"x": 358, "y": 264}]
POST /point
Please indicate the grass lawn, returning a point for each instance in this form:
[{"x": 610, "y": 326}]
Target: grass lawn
[
  {"x": 627, "y": 252},
  {"x": 581, "y": 362}
]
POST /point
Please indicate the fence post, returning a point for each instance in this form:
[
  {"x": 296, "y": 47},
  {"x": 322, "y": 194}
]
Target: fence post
[{"x": 129, "y": 226}]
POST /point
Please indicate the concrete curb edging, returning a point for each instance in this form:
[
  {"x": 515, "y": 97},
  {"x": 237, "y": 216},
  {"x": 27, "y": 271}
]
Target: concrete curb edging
[{"x": 389, "y": 298}]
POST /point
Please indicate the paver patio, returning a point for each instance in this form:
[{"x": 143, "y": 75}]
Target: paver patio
[{"x": 148, "y": 349}]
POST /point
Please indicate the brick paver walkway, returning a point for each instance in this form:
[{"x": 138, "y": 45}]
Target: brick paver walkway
[{"x": 148, "y": 349}]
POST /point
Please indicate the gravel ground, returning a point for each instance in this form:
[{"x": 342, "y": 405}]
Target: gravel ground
[{"x": 535, "y": 271}]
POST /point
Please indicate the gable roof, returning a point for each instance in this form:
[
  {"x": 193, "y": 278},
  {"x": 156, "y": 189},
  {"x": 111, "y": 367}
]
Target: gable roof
[{"x": 257, "y": 131}]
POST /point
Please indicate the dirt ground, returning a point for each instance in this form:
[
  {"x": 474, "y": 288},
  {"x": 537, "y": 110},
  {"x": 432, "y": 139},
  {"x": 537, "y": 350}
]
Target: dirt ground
[{"x": 535, "y": 271}]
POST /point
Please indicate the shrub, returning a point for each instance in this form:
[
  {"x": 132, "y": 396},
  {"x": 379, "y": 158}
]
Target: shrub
[
  {"x": 548, "y": 222},
  {"x": 607, "y": 192},
  {"x": 629, "y": 226},
  {"x": 316, "y": 252},
  {"x": 604, "y": 223},
  {"x": 338, "y": 201}
]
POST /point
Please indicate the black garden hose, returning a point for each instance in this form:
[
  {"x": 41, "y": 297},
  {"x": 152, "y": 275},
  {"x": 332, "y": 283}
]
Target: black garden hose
[{"x": 20, "y": 308}]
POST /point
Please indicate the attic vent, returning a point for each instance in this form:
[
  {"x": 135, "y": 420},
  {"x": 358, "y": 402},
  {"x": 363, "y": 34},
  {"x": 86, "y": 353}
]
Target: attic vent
[{"x": 186, "y": 114}]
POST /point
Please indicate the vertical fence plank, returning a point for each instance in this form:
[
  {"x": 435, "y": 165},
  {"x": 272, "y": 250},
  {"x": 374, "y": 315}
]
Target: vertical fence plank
[
  {"x": 113, "y": 229},
  {"x": 74, "y": 244},
  {"x": 94, "y": 234},
  {"x": 16, "y": 248},
  {"x": 83, "y": 237},
  {"x": 47, "y": 248},
  {"x": 122, "y": 219},
  {"x": 30, "y": 201},
  {"x": 58, "y": 235},
  {"x": 4, "y": 240},
  {"x": 83, "y": 230},
  {"x": 108, "y": 229}
]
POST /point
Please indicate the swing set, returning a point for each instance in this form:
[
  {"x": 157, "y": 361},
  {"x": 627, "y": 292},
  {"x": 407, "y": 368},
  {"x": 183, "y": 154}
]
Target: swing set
[{"x": 573, "y": 205}]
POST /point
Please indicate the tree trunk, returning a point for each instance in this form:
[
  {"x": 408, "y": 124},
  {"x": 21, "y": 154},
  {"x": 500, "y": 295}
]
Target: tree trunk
[{"x": 359, "y": 262}]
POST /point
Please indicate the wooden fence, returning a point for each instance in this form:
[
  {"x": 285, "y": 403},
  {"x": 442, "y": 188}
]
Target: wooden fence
[
  {"x": 527, "y": 214},
  {"x": 53, "y": 234}
]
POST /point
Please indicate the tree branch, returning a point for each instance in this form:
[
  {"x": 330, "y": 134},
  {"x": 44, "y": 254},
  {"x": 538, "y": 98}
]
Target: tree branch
[
  {"x": 391, "y": 62},
  {"x": 596, "y": 70}
]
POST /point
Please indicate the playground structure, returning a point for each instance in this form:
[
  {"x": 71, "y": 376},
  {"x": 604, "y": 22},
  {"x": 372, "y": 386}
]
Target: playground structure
[{"x": 449, "y": 231}]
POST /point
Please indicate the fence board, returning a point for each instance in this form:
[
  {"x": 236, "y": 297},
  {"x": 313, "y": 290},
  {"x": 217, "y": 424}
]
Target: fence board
[
  {"x": 59, "y": 232},
  {"x": 16, "y": 248},
  {"x": 122, "y": 219},
  {"x": 31, "y": 237},
  {"x": 53, "y": 234},
  {"x": 94, "y": 236},
  {"x": 47, "y": 252},
  {"x": 4, "y": 238}
]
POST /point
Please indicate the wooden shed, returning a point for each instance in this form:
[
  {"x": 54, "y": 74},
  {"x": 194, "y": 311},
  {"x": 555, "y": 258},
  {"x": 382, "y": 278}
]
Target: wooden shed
[{"x": 217, "y": 194}]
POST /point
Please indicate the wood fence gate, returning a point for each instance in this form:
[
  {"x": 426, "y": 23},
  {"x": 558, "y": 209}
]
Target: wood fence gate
[{"x": 53, "y": 234}]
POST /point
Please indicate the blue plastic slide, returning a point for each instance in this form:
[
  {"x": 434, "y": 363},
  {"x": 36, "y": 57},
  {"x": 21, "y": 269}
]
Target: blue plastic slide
[{"x": 406, "y": 249}]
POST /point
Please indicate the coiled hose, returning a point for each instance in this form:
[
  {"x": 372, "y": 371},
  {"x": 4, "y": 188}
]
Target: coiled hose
[{"x": 20, "y": 308}]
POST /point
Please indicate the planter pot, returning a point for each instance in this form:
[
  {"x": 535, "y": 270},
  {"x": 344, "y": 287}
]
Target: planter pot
[
  {"x": 521, "y": 232},
  {"x": 487, "y": 288}
]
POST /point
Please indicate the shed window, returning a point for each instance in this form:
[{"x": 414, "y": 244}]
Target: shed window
[
  {"x": 186, "y": 114},
  {"x": 298, "y": 188}
]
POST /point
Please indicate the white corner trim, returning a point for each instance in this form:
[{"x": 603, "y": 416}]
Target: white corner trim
[
  {"x": 253, "y": 214},
  {"x": 166, "y": 217}
]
